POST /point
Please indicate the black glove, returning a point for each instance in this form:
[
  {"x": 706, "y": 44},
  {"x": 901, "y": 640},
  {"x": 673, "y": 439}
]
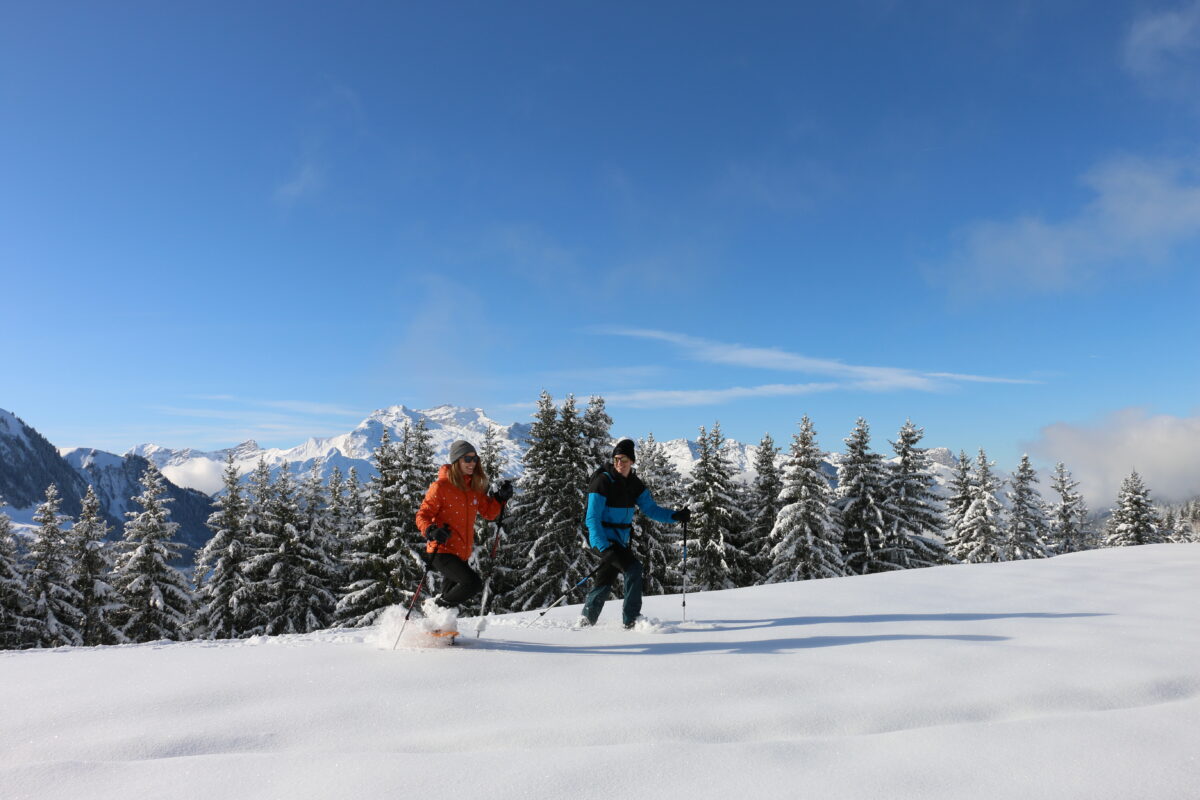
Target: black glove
[
  {"x": 437, "y": 533},
  {"x": 682, "y": 515},
  {"x": 503, "y": 492}
]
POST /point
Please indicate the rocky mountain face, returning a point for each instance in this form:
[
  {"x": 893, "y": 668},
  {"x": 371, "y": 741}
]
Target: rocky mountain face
[
  {"x": 29, "y": 463},
  {"x": 116, "y": 480}
]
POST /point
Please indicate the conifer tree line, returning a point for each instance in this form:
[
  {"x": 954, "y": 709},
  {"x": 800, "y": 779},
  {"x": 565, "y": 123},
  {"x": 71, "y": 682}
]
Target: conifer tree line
[{"x": 293, "y": 554}]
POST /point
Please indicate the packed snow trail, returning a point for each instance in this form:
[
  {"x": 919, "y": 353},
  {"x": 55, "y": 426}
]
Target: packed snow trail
[{"x": 1069, "y": 677}]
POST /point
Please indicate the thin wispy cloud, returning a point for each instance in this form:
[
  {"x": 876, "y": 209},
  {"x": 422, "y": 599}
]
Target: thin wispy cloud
[
  {"x": 306, "y": 182},
  {"x": 1162, "y": 49},
  {"x": 1141, "y": 212},
  {"x": 852, "y": 376},
  {"x": 778, "y": 187},
  {"x": 611, "y": 375},
  {"x": 670, "y": 398}
]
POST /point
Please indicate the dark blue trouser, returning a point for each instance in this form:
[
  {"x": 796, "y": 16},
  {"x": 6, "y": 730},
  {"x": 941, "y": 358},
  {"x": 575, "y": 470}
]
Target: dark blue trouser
[{"x": 616, "y": 559}]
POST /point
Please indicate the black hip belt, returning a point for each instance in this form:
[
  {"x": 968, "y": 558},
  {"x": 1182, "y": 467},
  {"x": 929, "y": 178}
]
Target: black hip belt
[{"x": 616, "y": 524}]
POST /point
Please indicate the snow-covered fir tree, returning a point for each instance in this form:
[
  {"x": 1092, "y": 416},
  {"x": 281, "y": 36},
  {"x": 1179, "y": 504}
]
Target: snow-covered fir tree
[
  {"x": 861, "y": 503},
  {"x": 1026, "y": 531},
  {"x": 292, "y": 573},
  {"x": 492, "y": 536},
  {"x": 417, "y": 471},
  {"x": 718, "y": 520},
  {"x": 597, "y": 436},
  {"x": 380, "y": 563},
  {"x": 1134, "y": 520},
  {"x": 314, "y": 601},
  {"x": 18, "y": 628},
  {"x": 494, "y": 463},
  {"x": 765, "y": 504},
  {"x": 225, "y": 606},
  {"x": 99, "y": 602},
  {"x": 549, "y": 512},
  {"x": 979, "y": 537},
  {"x": 1177, "y": 527},
  {"x": 658, "y": 546},
  {"x": 491, "y": 456},
  {"x": 961, "y": 487},
  {"x": 1169, "y": 526},
  {"x": 806, "y": 539},
  {"x": 156, "y": 596},
  {"x": 1189, "y": 516},
  {"x": 258, "y": 525},
  {"x": 1179, "y": 522},
  {"x": 914, "y": 522},
  {"x": 1068, "y": 514},
  {"x": 337, "y": 516},
  {"x": 51, "y": 578},
  {"x": 354, "y": 517}
]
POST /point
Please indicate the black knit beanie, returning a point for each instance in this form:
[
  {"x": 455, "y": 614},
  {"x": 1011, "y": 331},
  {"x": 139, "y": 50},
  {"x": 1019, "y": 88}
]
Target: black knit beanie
[{"x": 624, "y": 448}]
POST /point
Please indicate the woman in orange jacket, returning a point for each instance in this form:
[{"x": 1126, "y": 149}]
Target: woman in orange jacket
[{"x": 447, "y": 519}]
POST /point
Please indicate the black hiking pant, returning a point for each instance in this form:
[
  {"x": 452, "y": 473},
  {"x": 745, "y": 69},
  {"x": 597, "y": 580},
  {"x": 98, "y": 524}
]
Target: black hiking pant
[
  {"x": 459, "y": 582},
  {"x": 616, "y": 559}
]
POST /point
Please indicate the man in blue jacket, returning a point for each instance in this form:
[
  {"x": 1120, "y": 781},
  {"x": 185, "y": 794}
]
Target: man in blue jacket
[{"x": 612, "y": 495}]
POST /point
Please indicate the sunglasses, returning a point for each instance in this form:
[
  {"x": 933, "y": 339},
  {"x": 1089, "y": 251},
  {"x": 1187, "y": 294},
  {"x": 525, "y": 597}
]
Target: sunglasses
[
  {"x": 622, "y": 460},
  {"x": 470, "y": 459}
]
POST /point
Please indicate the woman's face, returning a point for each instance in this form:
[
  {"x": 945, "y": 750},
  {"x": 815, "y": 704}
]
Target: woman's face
[
  {"x": 467, "y": 464},
  {"x": 622, "y": 465}
]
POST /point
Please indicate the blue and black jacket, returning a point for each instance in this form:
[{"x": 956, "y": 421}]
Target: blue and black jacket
[{"x": 611, "y": 500}]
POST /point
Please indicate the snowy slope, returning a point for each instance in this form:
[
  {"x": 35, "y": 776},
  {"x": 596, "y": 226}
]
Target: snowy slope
[{"x": 1074, "y": 677}]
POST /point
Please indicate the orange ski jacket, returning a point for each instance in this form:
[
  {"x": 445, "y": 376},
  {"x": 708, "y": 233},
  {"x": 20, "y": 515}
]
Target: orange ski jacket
[{"x": 446, "y": 504}]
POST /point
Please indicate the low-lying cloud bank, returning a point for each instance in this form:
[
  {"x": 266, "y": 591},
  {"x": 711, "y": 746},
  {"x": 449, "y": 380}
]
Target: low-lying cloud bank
[{"x": 1164, "y": 449}]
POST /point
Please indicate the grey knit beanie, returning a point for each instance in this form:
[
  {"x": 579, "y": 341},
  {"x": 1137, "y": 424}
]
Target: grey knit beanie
[{"x": 459, "y": 449}]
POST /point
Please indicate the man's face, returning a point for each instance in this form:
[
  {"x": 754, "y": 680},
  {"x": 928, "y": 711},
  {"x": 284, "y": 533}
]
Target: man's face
[{"x": 623, "y": 465}]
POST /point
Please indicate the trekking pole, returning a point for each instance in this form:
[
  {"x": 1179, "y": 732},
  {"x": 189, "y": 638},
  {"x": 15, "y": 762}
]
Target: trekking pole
[
  {"x": 499, "y": 527},
  {"x": 685, "y": 572},
  {"x": 416, "y": 594},
  {"x": 567, "y": 593}
]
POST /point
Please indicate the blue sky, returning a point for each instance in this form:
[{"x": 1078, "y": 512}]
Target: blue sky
[{"x": 224, "y": 220}]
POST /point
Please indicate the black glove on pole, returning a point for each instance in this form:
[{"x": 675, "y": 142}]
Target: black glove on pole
[{"x": 503, "y": 492}]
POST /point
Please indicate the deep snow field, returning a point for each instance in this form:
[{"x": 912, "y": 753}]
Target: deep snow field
[{"x": 1074, "y": 677}]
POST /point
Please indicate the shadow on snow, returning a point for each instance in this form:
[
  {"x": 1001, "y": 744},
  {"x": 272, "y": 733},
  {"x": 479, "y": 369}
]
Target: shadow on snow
[{"x": 673, "y": 646}]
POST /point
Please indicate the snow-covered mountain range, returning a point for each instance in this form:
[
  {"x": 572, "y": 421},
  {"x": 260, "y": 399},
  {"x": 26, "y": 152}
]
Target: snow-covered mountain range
[
  {"x": 202, "y": 470},
  {"x": 29, "y": 464}
]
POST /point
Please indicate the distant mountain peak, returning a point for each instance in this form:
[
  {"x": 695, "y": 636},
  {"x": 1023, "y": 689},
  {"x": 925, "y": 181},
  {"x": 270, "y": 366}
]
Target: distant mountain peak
[{"x": 11, "y": 424}]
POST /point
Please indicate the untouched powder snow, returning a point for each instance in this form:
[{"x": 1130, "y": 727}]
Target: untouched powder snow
[{"x": 1074, "y": 677}]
